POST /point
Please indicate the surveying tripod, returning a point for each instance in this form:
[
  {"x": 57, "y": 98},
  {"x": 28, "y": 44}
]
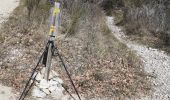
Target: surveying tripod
[{"x": 48, "y": 53}]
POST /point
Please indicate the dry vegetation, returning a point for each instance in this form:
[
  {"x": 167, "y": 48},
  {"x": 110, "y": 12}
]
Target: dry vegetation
[
  {"x": 146, "y": 21},
  {"x": 23, "y": 38},
  {"x": 100, "y": 65}
]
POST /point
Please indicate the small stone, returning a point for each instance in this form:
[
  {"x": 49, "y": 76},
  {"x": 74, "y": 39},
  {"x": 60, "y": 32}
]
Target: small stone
[
  {"x": 43, "y": 84},
  {"x": 46, "y": 91},
  {"x": 30, "y": 40},
  {"x": 58, "y": 94},
  {"x": 39, "y": 77},
  {"x": 43, "y": 71},
  {"x": 58, "y": 80},
  {"x": 1, "y": 63},
  {"x": 52, "y": 82},
  {"x": 53, "y": 88},
  {"x": 36, "y": 92},
  {"x": 53, "y": 74}
]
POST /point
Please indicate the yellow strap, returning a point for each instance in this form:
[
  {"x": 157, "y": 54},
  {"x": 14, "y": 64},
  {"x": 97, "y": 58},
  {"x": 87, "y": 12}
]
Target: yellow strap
[
  {"x": 56, "y": 11},
  {"x": 51, "y": 30}
]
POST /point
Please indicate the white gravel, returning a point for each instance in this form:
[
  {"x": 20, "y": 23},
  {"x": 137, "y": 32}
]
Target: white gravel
[
  {"x": 6, "y": 7},
  {"x": 155, "y": 62}
]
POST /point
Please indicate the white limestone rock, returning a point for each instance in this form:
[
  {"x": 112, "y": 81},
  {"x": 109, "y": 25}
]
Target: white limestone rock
[
  {"x": 54, "y": 73},
  {"x": 52, "y": 88},
  {"x": 46, "y": 91},
  {"x": 43, "y": 71},
  {"x": 39, "y": 77},
  {"x": 58, "y": 94},
  {"x": 57, "y": 79},
  {"x": 53, "y": 83},
  {"x": 43, "y": 84},
  {"x": 36, "y": 92}
]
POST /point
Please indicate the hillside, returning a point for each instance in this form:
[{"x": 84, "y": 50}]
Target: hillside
[
  {"x": 145, "y": 21},
  {"x": 102, "y": 64}
]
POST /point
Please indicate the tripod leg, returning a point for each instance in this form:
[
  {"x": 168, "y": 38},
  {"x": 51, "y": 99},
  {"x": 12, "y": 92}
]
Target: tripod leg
[
  {"x": 48, "y": 63},
  {"x": 68, "y": 74},
  {"x": 24, "y": 93}
]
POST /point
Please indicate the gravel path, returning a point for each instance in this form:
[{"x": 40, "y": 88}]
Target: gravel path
[
  {"x": 155, "y": 63},
  {"x": 6, "y": 7}
]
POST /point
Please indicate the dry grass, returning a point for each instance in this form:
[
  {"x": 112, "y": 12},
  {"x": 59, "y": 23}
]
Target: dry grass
[
  {"x": 147, "y": 19},
  {"x": 26, "y": 37},
  {"x": 100, "y": 65}
]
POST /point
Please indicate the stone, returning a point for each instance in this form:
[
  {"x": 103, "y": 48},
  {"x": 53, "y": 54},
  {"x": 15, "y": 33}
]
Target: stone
[
  {"x": 58, "y": 80},
  {"x": 54, "y": 73},
  {"x": 58, "y": 94},
  {"x": 43, "y": 71},
  {"x": 53, "y": 88},
  {"x": 36, "y": 92},
  {"x": 1, "y": 63},
  {"x": 43, "y": 84},
  {"x": 52, "y": 82},
  {"x": 46, "y": 91},
  {"x": 51, "y": 76},
  {"x": 39, "y": 77}
]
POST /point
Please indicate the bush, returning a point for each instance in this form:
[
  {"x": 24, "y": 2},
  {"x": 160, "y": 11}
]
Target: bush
[
  {"x": 148, "y": 18},
  {"x": 31, "y": 4}
]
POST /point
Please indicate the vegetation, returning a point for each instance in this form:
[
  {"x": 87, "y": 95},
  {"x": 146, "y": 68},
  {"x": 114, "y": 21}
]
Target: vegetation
[
  {"x": 100, "y": 65},
  {"x": 147, "y": 20}
]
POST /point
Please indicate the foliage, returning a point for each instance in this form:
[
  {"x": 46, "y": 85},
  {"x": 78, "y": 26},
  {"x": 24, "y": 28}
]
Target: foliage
[{"x": 149, "y": 18}]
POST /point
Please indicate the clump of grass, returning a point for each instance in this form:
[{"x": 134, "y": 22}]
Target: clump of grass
[
  {"x": 105, "y": 29},
  {"x": 2, "y": 38},
  {"x": 31, "y": 5},
  {"x": 76, "y": 12}
]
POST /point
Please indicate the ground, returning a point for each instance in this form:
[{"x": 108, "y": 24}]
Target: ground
[
  {"x": 156, "y": 63},
  {"x": 6, "y": 7}
]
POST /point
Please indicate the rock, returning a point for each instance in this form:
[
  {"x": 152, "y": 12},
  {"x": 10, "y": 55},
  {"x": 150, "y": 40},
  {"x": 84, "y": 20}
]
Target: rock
[
  {"x": 57, "y": 94},
  {"x": 43, "y": 84},
  {"x": 31, "y": 41},
  {"x": 39, "y": 77},
  {"x": 46, "y": 91},
  {"x": 53, "y": 88},
  {"x": 52, "y": 82},
  {"x": 36, "y": 92},
  {"x": 58, "y": 80},
  {"x": 54, "y": 73},
  {"x": 43, "y": 71}
]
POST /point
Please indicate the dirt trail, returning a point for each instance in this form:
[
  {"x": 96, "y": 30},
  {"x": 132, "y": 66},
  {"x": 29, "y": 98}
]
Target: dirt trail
[
  {"x": 156, "y": 63},
  {"x": 6, "y": 7}
]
